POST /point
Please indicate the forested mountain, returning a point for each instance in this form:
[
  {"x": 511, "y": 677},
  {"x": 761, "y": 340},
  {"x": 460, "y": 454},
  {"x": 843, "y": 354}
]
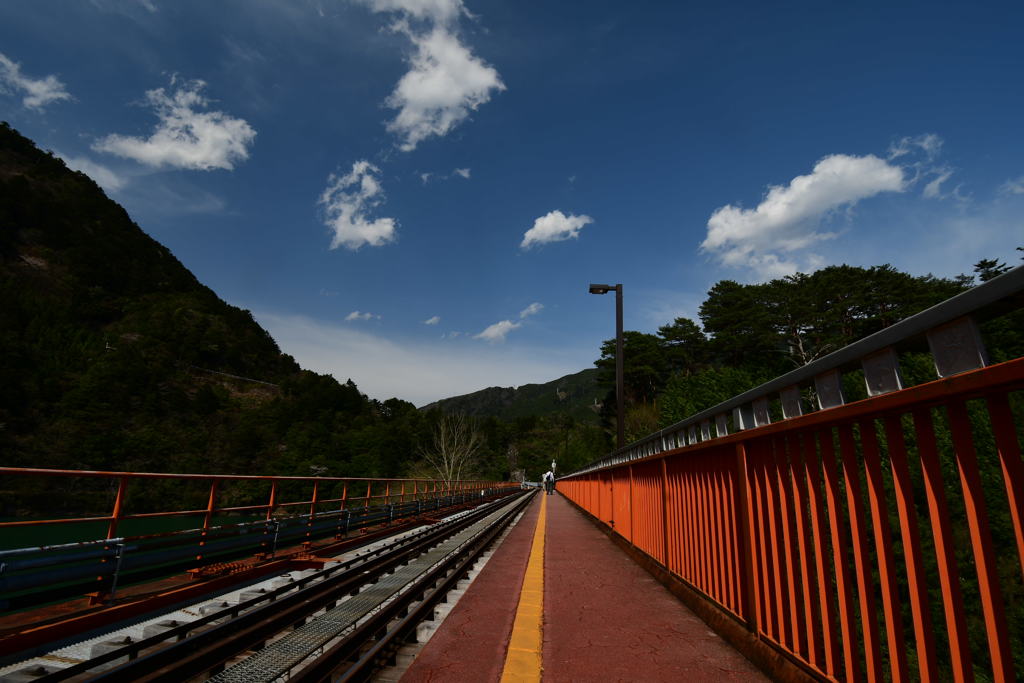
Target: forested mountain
[
  {"x": 577, "y": 395},
  {"x": 113, "y": 356}
]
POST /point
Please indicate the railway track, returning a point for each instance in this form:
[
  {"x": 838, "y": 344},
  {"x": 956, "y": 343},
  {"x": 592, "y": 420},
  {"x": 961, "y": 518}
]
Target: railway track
[{"x": 339, "y": 623}]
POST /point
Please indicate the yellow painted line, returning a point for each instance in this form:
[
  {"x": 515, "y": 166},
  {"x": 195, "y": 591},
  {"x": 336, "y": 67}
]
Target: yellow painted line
[{"x": 523, "y": 661}]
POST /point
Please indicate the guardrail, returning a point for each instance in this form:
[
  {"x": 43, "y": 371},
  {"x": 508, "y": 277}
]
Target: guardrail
[
  {"x": 335, "y": 506},
  {"x": 911, "y": 499}
]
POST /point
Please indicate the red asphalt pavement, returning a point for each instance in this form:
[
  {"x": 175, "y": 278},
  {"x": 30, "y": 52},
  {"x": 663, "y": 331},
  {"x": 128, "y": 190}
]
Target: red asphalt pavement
[{"x": 605, "y": 617}]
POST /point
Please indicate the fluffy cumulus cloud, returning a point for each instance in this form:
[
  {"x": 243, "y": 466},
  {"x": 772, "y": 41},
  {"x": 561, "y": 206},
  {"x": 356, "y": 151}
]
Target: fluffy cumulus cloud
[
  {"x": 790, "y": 217},
  {"x": 554, "y": 227},
  {"x": 433, "y": 320},
  {"x": 187, "y": 135},
  {"x": 348, "y": 200},
  {"x": 356, "y": 315},
  {"x": 36, "y": 93},
  {"x": 462, "y": 172},
  {"x": 445, "y": 82},
  {"x": 497, "y": 332}
]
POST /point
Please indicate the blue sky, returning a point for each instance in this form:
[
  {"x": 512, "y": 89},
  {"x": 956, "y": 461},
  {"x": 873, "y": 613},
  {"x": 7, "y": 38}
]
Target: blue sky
[{"x": 416, "y": 193}]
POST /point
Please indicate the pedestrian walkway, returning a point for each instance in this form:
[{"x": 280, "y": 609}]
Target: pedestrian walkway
[{"x": 604, "y": 617}]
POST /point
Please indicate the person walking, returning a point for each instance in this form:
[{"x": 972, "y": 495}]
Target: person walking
[{"x": 549, "y": 482}]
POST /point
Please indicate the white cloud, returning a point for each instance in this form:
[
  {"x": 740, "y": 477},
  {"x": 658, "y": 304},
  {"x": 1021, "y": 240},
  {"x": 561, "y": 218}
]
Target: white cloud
[
  {"x": 1014, "y": 186},
  {"x": 444, "y": 84},
  {"x": 186, "y": 136},
  {"x": 103, "y": 176},
  {"x": 347, "y": 201},
  {"x": 440, "y": 11},
  {"x": 38, "y": 92},
  {"x": 356, "y": 315},
  {"x": 425, "y": 177},
  {"x": 532, "y": 309},
  {"x": 929, "y": 143},
  {"x": 432, "y": 320},
  {"x": 417, "y": 371},
  {"x": 933, "y": 190},
  {"x": 498, "y": 331},
  {"x": 464, "y": 172},
  {"x": 554, "y": 227},
  {"x": 789, "y": 217}
]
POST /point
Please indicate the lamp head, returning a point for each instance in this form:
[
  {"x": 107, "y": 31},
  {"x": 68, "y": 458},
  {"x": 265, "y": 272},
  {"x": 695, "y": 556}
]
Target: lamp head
[{"x": 600, "y": 289}]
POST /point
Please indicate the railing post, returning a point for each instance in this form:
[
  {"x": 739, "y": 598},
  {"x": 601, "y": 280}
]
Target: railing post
[
  {"x": 744, "y": 514},
  {"x": 208, "y": 517},
  {"x": 369, "y": 489},
  {"x": 100, "y": 596},
  {"x": 272, "y": 503},
  {"x": 118, "y": 512},
  {"x": 312, "y": 513}
]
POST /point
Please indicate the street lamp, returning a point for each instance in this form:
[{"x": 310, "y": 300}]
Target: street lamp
[{"x": 619, "y": 394}]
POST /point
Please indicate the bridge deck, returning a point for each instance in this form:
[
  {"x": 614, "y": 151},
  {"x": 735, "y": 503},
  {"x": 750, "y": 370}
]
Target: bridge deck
[{"x": 604, "y": 617}]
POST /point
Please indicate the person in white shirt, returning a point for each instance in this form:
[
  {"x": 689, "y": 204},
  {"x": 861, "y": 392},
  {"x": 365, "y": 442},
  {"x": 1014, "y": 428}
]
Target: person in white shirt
[{"x": 549, "y": 482}]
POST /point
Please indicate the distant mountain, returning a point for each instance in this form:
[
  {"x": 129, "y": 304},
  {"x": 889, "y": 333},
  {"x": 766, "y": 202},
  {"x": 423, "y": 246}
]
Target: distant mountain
[{"x": 577, "y": 394}]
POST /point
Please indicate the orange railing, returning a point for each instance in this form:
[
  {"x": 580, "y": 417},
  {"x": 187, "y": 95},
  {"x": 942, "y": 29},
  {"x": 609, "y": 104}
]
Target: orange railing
[
  {"x": 355, "y": 492},
  {"x": 873, "y": 540}
]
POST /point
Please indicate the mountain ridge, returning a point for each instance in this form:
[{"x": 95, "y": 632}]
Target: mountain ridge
[{"x": 577, "y": 394}]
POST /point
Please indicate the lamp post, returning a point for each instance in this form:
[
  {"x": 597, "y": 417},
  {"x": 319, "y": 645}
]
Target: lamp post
[{"x": 619, "y": 393}]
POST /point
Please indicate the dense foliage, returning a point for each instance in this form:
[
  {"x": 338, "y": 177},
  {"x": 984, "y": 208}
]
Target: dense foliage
[{"x": 749, "y": 334}]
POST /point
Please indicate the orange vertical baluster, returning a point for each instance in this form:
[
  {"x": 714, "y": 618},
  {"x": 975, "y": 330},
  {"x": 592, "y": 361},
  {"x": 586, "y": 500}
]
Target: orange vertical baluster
[
  {"x": 787, "y": 527},
  {"x": 883, "y": 545},
  {"x": 664, "y": 514},
  {"x": 750, "y": 589},
  {"x": 771, "y": 625},
  {"x": 1009, "y": 460},
  {"x": 840, "y": 547},
  {"x": 825, "y": 602},
  {"x": 803, "y": 544},
  {"x": 859, "y": 535},
  {"x": 981, "y": 544},
  {"x": 916, "y": 577},
  {"x": 779, "y": 557}
]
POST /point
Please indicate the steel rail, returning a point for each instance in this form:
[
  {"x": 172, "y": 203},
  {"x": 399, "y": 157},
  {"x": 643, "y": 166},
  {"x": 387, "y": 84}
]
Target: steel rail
[
  {"x": 410, "y": 609},
  {"x": 254, "y": 621}
]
